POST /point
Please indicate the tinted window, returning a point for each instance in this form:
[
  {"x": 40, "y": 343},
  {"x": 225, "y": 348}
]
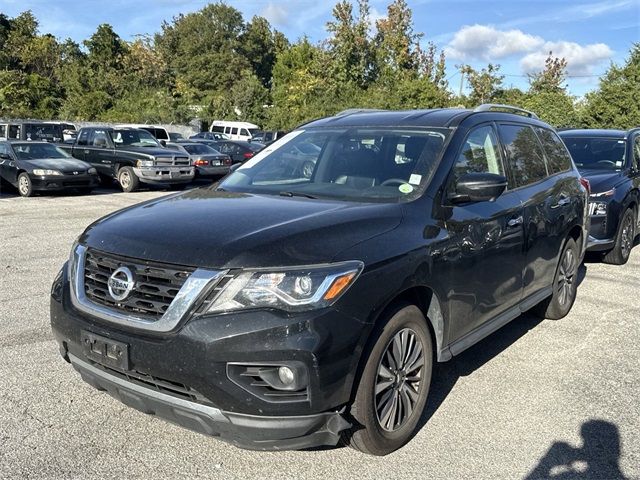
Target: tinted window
[
  {"x": 32, "y": 150},
  {"x": 350, "y": 163},
  {"x": 558, "y": 159},
  {"x": 83, "y": 137},
  {"x": 244, "y": 132},
  {"x": 133, "y": 137},
  {"x": 636, "y": 153},
  {"x": 217, "y": 129},
  {"x": 199, "y": 149},
  {"x": 599, "y": 153},
  {"x": 14, "y": 131},
  {"x": 3, "y": 150},
  {"x": 99, "y": 138},
  {"x": 3, "y": 130},
  {"x": 480, "y": 154},
  {"x": 524, "y": 154},
  {"x": 234, "y": 131},
  {"x": 45, "y": 131}
]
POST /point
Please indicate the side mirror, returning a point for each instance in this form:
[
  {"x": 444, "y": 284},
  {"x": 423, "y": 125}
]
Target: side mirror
[
  {"x": 163, "y": 143},
  {"x": 5, "y": 156},
  {"x": 234, "y": 167},
  {"x": 478, "y": 187}
]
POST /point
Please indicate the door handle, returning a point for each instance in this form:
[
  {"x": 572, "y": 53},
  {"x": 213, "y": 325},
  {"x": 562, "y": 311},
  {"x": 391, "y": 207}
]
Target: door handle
[
  {"x": 514, "y": 222},
  {"x": 86, "y": 151}
]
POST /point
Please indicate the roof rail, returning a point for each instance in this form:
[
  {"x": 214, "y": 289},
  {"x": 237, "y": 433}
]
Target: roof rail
[
  {"x": 488, "y": 107},
  {"x": 350, "y": 111}
]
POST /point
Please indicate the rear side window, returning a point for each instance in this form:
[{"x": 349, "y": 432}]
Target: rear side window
[
  {"x": 234, "y": 131},
  {"x": 558, "y": 158},
  {"x": 14, "y": 131},
  {"x": 524, "y": 154},
  {"x": 83, "y": 138},
  {"x": 480, "y": 154},
  {"x": 218, "y": 129},
  {"x": 3, "y": 131}
]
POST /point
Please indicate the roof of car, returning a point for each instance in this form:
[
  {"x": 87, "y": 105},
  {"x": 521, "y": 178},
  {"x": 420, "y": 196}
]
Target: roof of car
[
  {"x": 593, "y": 132},
  {"x": 439, "y": 117}
]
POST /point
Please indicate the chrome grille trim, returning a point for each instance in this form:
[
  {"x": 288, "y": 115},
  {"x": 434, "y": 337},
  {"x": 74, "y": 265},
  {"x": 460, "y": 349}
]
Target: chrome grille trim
[{"x": 196, "y": 285}]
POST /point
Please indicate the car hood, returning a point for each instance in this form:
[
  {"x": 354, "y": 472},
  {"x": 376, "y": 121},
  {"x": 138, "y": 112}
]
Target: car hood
[
  {"x": 205, "y": 228},
  {"x": 602, "y": 181},
  {"x": 154, "y": 151},
  {"x": 64, "y": 165}
]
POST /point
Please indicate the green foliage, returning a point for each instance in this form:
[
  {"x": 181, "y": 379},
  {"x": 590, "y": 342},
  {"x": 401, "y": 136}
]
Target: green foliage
[
  {"x": 616, "y": 103},
  {"x": 215, "y": 65}
]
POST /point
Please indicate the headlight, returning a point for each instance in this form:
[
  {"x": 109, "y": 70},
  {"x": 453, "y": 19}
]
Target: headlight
[
  {"x": 608, "y": 193},
  {"x": 92, "y": 171},
  {"x": 597, "y": 209},
  {"x": 42, "y": 172},
  {"x": 294, "y": 290},
  {"x": 145, "y": 163}
]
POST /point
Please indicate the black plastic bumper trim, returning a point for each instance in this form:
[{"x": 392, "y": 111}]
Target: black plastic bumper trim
[{"x": 245, "y": 431}]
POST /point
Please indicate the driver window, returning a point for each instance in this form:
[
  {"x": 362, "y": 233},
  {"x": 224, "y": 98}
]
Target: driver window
[
  {"x": 99, "y": 138},
  {"x": 480, "y": 154}
]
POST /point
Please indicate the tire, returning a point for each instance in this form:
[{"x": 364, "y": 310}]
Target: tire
[
  {"x": 565, "y": 285},
  {"x": 625, "y": 237},
  {"x": 128, "y": 180},
  {"x": 374, "y": 432},
  {"x": 25, "y": 187}
]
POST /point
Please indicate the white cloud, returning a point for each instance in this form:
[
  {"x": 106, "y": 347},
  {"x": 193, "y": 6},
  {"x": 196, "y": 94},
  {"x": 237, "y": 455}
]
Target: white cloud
[
  {"x": 484, "y": 42},
  {"x": 581, "y": 59},
  {"x": 276, "y": 14}
]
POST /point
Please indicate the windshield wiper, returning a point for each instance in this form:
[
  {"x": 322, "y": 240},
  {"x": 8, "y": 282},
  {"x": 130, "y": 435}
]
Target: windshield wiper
[{"x": 296, "y": 194}]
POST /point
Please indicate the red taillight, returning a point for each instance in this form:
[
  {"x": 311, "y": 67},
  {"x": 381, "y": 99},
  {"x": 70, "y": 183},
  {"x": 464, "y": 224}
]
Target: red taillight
[
  {"x": 201, "y": 163},
  {"x": 585, "y": 183},
  {"x": 226, "y": 161},
  {"x": 248, "y": 155}
]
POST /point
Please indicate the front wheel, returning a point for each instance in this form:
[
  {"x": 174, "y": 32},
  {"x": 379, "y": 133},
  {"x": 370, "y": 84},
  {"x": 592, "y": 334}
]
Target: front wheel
[
  {"x": 393, "y": 387},
  {"x": 25, "y": 187},
  {"x": 128, "y": 179},
  {"x": 565, "y": 285},
  {"x": 625, "y": 237}
]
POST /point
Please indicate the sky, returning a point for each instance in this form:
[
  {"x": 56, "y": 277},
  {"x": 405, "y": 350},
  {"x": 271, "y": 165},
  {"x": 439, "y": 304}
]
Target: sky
[{"x": 517, "y": 34}]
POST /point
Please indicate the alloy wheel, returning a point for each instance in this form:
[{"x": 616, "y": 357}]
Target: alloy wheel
[
  {"x": 626, "y": 242},
  {"x": 23, "y": 185},
  {"x": 125, "y": 179},
  {"x": 566, "y": 277},
  {"x": 399, "y": 380}
]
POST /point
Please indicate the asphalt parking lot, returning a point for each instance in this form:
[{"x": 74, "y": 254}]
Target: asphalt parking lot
[{"x": 537, "y": 399}]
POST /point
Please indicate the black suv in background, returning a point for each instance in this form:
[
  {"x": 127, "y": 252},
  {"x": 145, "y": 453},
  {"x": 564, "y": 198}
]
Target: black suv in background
[
  {"x": 317, "y": 311},
  {"x": 610, "y": 160}
]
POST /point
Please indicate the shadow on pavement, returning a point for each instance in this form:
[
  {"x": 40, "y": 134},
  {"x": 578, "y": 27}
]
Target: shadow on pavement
[{"x": 597, "y": 458}]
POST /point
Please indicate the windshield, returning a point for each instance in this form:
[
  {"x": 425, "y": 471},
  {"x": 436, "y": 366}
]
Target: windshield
[
  {"x": 48, "y": 132},
  {"x": 596, "y": 152},
  {"x": 134, "y": 138},
  {"x": 254, "y": 131},
  {"x": 199, "y": 149},
  {"x": 32, "y": 151},
  {"x": 358, "y": 163}
]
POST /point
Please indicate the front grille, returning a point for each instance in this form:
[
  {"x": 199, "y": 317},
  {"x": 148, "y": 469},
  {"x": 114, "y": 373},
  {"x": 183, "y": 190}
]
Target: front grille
[
  {"x": 162, "y": 385},
  {"x": 154, "y": 289},
  {"x": 172, "y": 161},
  {"x": 76, "y": 183}
]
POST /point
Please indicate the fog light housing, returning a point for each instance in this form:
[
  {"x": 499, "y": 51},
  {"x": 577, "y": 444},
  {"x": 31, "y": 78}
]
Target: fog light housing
[{"x": 286, "y": 381}]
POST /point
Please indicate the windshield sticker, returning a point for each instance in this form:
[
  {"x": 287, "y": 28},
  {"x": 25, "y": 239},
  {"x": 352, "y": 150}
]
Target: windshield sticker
[
  {"x": 415, "y": 179},
  {"x": 405, "y": 188},
  {"x": 270, "y": 149}
]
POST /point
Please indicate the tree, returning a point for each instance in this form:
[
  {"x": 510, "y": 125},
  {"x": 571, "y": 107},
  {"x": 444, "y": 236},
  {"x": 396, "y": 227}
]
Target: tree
[
  {"x": 615, "y": 104},
  {"x": 485, "y": 84},
  {"x": 258, "y": 45},
  {"x": 551, "y": 78}
]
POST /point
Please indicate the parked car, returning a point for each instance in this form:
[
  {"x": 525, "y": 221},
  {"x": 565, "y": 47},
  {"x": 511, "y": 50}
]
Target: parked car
[
  {"x": 32, "y": 166},
  {"x": 207, "y": 161},
  {"x": 131, "y": 156},
  {"x": 268, "y": 137},
  {"x": 176, "y": 137},
  {"x": 276, "y": 311},
  {"x": 610, "y": 159},
  {"x": 214, "y": 136},
  {"x": 33, "y": 130},
  {"x": 160, "y": 133},
  {"x": 243, "y": 131},
  {"x": 238, "y": 150}
]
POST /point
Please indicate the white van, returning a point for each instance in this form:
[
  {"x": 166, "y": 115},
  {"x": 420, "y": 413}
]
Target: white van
[{"x": 235, "y": 130}]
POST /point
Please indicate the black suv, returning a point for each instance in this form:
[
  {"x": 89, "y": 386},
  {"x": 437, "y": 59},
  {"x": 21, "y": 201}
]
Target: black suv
[
  {"x": 610, "y": 160},
  {"x": 275, "y": 310}
]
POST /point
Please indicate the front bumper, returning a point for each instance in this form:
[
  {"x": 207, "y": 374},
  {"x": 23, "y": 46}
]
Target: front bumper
[
  {"x": 165, "y": 174},
  {"x": 64, "y": 182},
  {"x": 197, "y": 356},
  {"x": 246, "y": 431}
]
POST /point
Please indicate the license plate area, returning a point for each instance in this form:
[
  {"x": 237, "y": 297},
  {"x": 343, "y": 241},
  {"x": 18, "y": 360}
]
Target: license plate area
[{"x": 105, "y": 351}]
